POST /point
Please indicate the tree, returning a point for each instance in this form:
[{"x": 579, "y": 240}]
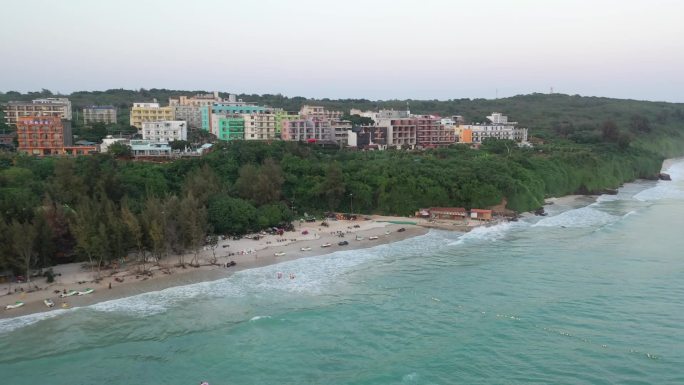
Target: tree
[
  {"x": 610, "y": 131},
  {"x": 333, "y": 188},
  {"x": 135, "y": 232},
  {"x": 23, "y": 242},
  {"x": 231, "y": 215},
  {"x": 179, "y": 145},
  {"x": 154, "y": 222},
  {"x": 120, "y": 150},
  {"x": 261, "y": 185},
  {"x": 85, "y": 227},
  {"x": 212, "y": 242},
  {"x": 202, "y": 184},
  {"x": 193, "y": 225}
]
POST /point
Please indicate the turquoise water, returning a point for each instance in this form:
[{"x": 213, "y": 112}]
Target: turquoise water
[{"x": 591, "y": 294}]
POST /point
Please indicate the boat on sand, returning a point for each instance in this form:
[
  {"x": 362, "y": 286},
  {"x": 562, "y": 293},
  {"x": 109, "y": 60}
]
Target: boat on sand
[
  {"x": 68, "y": 294},
  {"x": 279, "y": 254},
  {"x": 372, "y": 237},
  {"x": 305, "y": 249},
  {"x": 14, "y": 305},
  {"x": 86, "y": 291},
  {"x": 326, "y": 245},
  {"x": 48, "y": 302}
]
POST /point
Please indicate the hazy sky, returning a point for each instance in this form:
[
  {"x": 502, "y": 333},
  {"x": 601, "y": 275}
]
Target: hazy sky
[{"x": 377, "y": 49}]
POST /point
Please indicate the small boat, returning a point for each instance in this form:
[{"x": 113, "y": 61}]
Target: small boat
[
  {"x": 305, "y": 249},
  {"x": 48, "y": 302},
  {"x": 372, "y": 237},
  {"x": 387, "y": 232},
  {"x": 359, "y": 238},
  {"x": 279, "y": 254},
  {"x": 15, "y": 305},
  {"x": 68, "y": 294},
  {"x": 326, "y": 245},
  {"x": 86, "y": 291},
  {"x": 65, "y": 305}
]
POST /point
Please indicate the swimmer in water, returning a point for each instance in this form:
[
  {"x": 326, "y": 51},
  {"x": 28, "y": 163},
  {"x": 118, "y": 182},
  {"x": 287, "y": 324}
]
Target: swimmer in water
[{"x": 279, "y": 275}]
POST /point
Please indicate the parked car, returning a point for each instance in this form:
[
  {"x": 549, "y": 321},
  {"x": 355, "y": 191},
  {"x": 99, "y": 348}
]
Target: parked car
[{"x": 343, "y": 243}]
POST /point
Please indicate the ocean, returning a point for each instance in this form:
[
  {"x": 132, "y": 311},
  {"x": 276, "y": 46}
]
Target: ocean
[{"x": 592, "y": 293}]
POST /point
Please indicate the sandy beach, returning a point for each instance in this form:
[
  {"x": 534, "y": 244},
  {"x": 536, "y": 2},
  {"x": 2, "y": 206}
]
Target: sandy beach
[{"x": 247, "y": 254}]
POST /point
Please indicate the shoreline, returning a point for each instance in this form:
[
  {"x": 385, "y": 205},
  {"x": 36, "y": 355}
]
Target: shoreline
[
  {"x": 256, "y": 254},
  {"x": 260, "y": 255}
]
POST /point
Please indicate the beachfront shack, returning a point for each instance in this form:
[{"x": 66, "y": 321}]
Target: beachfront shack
[
  {"x": 451, "y": 213},
  {"x": 481, "y": 214}
]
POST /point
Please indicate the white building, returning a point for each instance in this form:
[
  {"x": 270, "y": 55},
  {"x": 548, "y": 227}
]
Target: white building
[
  {"x": 60, "y": 107},
  {"x": 499, "y": 128},
  {"x": 165, "y": 131}
]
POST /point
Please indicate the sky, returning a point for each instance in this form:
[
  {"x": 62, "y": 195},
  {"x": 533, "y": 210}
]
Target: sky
[{"x": 373, "y": 49}]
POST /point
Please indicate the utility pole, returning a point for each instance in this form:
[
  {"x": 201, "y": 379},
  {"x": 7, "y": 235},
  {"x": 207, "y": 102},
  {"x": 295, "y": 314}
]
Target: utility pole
[{"x": 351, "y": 203}]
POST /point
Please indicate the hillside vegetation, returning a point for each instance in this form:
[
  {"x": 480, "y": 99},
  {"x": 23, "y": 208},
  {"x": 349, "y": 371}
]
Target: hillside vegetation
[{"x": 99, "y": 208}]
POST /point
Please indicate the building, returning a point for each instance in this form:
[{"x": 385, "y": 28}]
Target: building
[
  {"x": 401, "y": 132},
  {"x": 341, "y": 129},
  {"x": 260, "y": 126},
  {"x": 368, "y": 137},
  {"x": 99, "y": 114},
  {"x": 201, "y": 100},
  {"x": 308, "y": 130},
  {"x": 430, "y": 132},
  {"x": 58, "y": 107},
  {"x": 150, "y": 148},
  {"x": 228, "y": 127},
  {"x": 228, "y": 109},
  {"x": 364, "y": 114},
  {"x": 165, "y": 131},
  {"x": 319, "y": 112},
  {"x": 481, "y": 214},
  {"x": 198, "y": 100},
  {"x": 190, "y": 114},
  {"x": 48, "y": 135},
  {"x": 150, "y": 112},
  {"x": 282, "y": 116},
  {"x": 451, "y": 213},
  {"x": 499, "y": 128},
  {"x": 393, "y": 114}
]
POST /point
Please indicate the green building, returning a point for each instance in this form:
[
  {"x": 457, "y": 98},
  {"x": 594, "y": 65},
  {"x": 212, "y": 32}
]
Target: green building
[{"x": 230, "y": 128}]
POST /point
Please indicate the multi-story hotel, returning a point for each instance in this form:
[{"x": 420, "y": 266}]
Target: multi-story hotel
[
  {"x": 401, "y": 132},
  {"x": 430, "y": 131},
  {"x": 499, "y": 128},
  {"x": 191, "y": 114},
  {"x": 319, "y": 112},
  {"x": 99, "y": 114},
  {"x": 228, "y": 127},
  {"x": 59, "y": 107},
  {"x": 308, "y": 130},
  {"x": 48, "y": 135},
  {"x": 165, "y": 131},
  {"x": 150, "y": 112},
  {"x": 260, "y": 126}
]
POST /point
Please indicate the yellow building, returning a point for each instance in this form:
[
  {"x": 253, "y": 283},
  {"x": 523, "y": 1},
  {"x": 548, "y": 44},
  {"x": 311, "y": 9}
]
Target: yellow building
[{"x": 150, "y": 112}]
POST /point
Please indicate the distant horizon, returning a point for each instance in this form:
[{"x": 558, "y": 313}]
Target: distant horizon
[{"x": 59, "y": 93}]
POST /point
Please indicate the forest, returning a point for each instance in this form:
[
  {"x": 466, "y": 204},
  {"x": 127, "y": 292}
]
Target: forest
[{"x": 102, "y": 208}]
